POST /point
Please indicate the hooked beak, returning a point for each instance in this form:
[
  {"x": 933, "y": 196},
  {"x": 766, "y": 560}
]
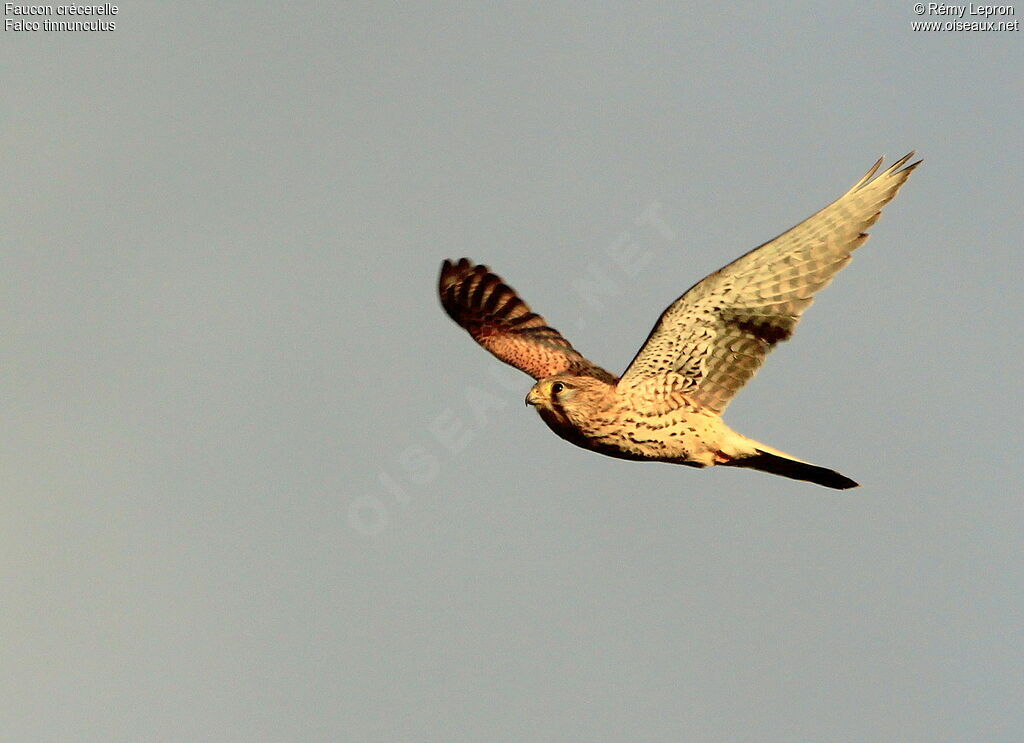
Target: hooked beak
[{"x": 532, "y": 398}]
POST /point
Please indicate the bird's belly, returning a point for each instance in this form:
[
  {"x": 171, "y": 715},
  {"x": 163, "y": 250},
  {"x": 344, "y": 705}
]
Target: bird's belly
[{"x": 685, "y": 438}]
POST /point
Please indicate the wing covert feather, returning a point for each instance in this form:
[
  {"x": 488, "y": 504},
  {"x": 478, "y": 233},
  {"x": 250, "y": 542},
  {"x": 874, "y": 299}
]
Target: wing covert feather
[{"x": 713, "y": 339}]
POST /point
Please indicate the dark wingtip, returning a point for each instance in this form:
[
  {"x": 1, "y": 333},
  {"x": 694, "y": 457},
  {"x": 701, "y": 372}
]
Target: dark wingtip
[
  {"x": 446, "y": 268},
  {"x": 451, "y": 269},
  {"x": 902, "y": 161}
]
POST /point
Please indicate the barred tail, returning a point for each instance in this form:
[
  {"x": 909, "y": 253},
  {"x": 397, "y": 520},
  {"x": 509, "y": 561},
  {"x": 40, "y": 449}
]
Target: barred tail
[{"x": 794, "y": 469}]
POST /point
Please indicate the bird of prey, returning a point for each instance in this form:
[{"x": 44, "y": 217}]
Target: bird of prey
[{"x": 667, "y": 406}]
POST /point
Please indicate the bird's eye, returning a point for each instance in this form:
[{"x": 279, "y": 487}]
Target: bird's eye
[{"x": 557, "y": 387}]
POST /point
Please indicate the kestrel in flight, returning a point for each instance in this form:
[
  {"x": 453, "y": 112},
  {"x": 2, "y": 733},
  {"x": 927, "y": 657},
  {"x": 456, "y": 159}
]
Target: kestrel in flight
[{"x": 667, "y": 406}]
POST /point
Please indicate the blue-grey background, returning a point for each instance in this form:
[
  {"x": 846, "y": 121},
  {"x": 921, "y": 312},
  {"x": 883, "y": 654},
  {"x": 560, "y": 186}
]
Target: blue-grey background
[{"x": 257, "y": 487}]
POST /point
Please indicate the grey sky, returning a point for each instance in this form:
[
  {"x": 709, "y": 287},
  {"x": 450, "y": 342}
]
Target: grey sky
[{"x": 231, "y": 508}]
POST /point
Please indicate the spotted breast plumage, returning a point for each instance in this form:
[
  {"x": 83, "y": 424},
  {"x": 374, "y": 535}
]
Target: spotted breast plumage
[{"x": 667, "y": 405}]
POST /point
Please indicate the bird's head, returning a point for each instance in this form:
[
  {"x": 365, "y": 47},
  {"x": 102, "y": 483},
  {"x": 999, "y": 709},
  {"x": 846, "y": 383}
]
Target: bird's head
[{"x": 564, "y": 397}]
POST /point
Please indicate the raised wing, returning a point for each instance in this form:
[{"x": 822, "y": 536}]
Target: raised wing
[
  {"x": 715, "y": 337},
  {"x": 502, "y": 323}
]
